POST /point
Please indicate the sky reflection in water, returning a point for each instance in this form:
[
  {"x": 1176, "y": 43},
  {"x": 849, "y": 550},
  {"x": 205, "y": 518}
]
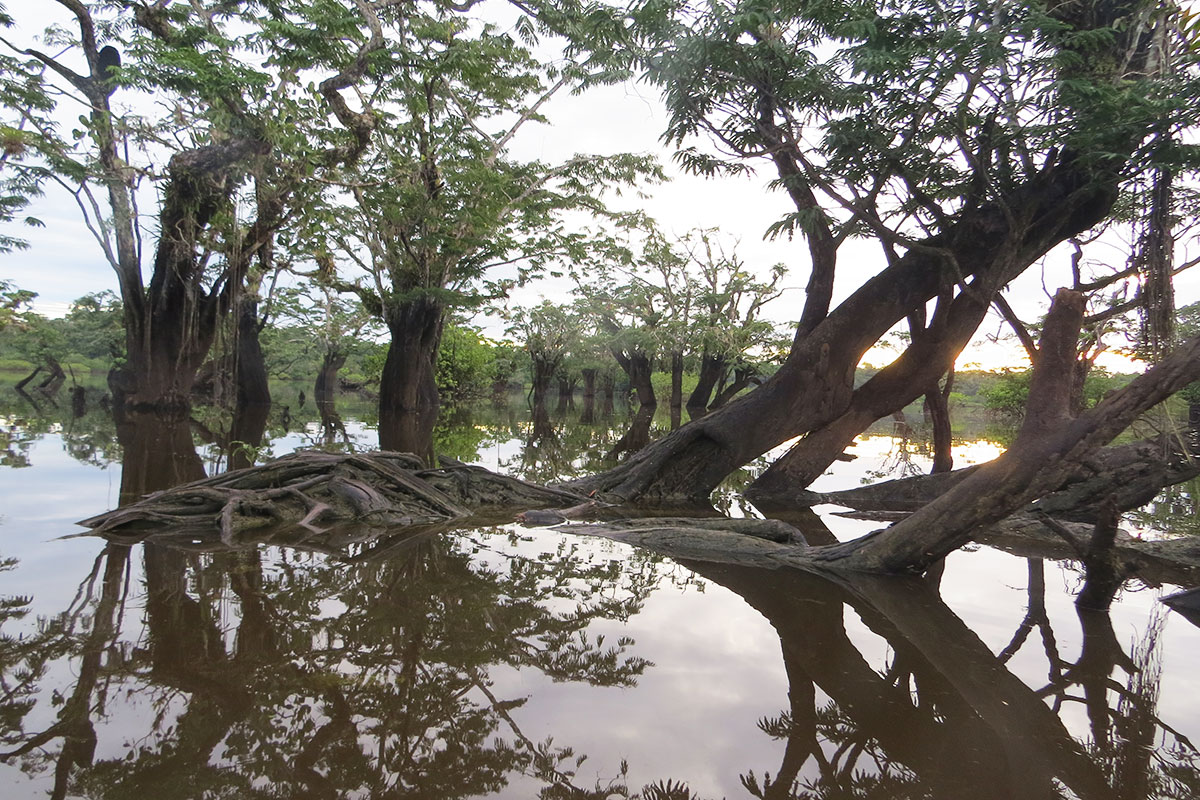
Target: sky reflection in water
[{"x": 527, "y": 663}]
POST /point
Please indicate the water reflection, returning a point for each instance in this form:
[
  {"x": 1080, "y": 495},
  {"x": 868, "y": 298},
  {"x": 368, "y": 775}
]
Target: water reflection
[{"x": 416, "y": 665}]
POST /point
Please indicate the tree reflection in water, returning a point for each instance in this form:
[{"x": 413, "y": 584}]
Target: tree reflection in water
[{"x": 380, "y": 669}]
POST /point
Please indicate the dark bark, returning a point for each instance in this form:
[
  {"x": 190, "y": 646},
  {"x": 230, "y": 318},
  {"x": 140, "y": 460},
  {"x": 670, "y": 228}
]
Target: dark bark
[
  {"x": 408, "y": 393},
  {"x": 742, "y": 377},
  {"x": 250, "y": 367},
  {"x": 676, "y": 402},
  {"x": 814, "y": 387},
  {"x": 588, "y": 416},
  {"x": 325, "y": 389},
  {"x": 637, "y": 437},
  {"x": 1049, "y": 450},
  {"x": 246, "y": 433},
  {"x": 545, "y": 365},
  {"x": 566, "y": 393},
  {"x": 54, "y": 381},
  {"x": 607, "y": 393},
  {"x": 983, "y": 245},
  {"x": 638, "y": 366},
  {"x": 168, "y": 334},
  {"x": 930, "y": 356},
  {"x": 937, "y": 403},
  {"x": 712, "y": 367},
  {"x": 21, "y": 384}
]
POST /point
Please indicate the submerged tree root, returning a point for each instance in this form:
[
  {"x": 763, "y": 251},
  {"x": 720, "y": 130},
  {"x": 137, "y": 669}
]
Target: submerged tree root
[
  {"x": 770, "y": 543},
  {"x": 311, "y": 491}
]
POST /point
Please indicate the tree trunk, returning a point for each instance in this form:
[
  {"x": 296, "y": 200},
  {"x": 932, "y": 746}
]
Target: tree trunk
[
  {"x": 1049, "y": 450},
  {"x": 408, "y": 394},
  {"x": 544, "y": 367},
  {"x": 711, "y": 368},
  {"x": 937, "y": 402},
  {"x": 638, "y": 367},
  {"x": 589, "y": 397},
  {"x": 250, "y": 367},
  {"x": 325, "y": 390},
  {"x": 676, "y": 388},
  {"x": 607, "y": 393},
  {"x": 246, "y": 433},
  {"x": 169, "y": 328},
  {"x": 742, "y": 377},
  {"x": 566, "y": 393},
  {"x": 927, "y": 358}
]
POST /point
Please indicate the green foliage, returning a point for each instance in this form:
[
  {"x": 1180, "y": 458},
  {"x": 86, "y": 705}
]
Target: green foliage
[
  {"x": 1009, "y": 393},
  {"x": 14, "y": 304},
  {"x": 466, "y": 362}
]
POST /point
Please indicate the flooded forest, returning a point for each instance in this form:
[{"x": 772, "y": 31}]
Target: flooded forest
[{"x": 407, "y": 435}]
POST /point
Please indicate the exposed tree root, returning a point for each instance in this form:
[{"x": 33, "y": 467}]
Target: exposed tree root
[{"x": 311, "y": 491}]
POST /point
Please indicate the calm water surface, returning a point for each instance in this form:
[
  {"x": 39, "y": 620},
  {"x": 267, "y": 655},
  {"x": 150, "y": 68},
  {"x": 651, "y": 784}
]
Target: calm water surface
[{"x": 526, "y": 663}]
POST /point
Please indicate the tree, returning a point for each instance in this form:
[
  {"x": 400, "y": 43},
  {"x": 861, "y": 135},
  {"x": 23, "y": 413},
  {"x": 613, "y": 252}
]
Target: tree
[
  {"x": 548, "y": 332},
  {"x": 440, "y": 202},
  {"x": 726, "y": 321},
  {"x": 229, "y": 77},
  {"x": 965, "y": 141}
]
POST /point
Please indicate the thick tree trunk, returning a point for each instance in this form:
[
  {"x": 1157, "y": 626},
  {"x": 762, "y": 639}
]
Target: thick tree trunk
[
  {"x": 638, "y": 367},
  {"x": 544, "y": 368},
  {"x": 1049, "y": 450},
  {"x": 711, "y": 368},
  {"x": 408, "y": 394},
  {"x": 246, "y": 433},
  {"x": 250, "y": 367},
  {"x": 170, "y": 328},
  {"x": 325, "y": 389},
  {"x": 929, "y": 356}
]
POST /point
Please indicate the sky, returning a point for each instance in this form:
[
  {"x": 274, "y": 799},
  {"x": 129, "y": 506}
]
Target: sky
[{"x": 64, "y": 261}]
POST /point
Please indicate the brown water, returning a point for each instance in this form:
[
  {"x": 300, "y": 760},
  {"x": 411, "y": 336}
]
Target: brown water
[{"x": 526, "y": 663}]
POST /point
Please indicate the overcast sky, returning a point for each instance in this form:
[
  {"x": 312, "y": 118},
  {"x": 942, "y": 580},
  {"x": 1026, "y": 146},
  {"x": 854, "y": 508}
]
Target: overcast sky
[{"x": 64, "y": 261}]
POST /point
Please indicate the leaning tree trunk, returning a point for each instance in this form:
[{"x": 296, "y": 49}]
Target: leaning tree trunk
[
  {"x": 742, "y": 377},
  {"x": 814, "y": 387},
  {"x": 930, "y": 355},
  {"x": 1050, "y": 449},
  {"x": 981, "y": 248},
  {"x": 408, "y": 394}
]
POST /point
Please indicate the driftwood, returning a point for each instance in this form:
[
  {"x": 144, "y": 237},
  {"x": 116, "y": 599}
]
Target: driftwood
[{"x": 312, "y": 490}]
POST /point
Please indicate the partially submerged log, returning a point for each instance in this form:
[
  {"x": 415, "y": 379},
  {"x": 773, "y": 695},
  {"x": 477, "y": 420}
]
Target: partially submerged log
[
  {"x": 770, "y": 543},
  {"x": 310, "y": 487},
  {"x": 1129, "y": 475}
]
